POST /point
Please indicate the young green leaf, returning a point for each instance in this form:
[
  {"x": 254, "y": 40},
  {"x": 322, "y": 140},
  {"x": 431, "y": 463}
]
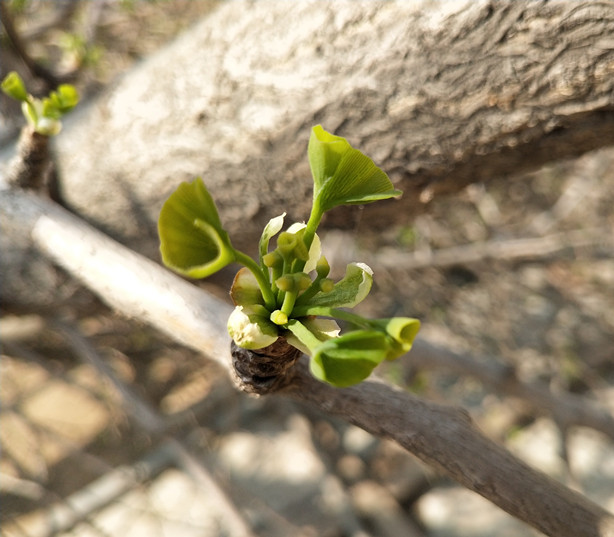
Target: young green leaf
[
  {"x": 346, "y": 293},
  {"x": 65, "y": 98},
  {"x": 308, "y": 334},
  {"x": 192, "y": 240},
  {"x": 343, "y": 175},
  {"x": 14, "y": 87},
  {"x": 245, "y": 290},
  {"x": 349, "y": 359},
  {"x": 270, "y": 230},
  {"x": 250, "y": 330},
  {"x": 402, "y": 331}
]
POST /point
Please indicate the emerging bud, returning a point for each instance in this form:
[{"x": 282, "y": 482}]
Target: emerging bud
[
  {"x": 249, "y": 330},
  {"x": 303, "y": 281},
  {"x": 285, "y": 283},
  {"x": 293, "y": 283},
  {"x": 279, "y": 317},
  {"x": 245, "y": 290},
  {"x": 273, "y": 259},
  {"x": 322, "y": 267},
  {"x": 327, "y": 285},
  {"x": 315, "y": 250},
  {"x": 286, "y": 242}
]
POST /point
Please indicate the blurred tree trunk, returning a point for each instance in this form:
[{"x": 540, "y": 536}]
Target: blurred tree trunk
[{"x": 439, "y": 94}]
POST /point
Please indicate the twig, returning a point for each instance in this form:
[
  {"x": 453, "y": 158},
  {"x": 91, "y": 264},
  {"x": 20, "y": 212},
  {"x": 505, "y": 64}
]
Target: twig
[
  {"x": 566, "y": 409},
  {"x": 531, "y": 248},
  {"x": 446, "y": 439},
  {"x": 441, "y": 436},
  {"x": 127, "y": 281}
]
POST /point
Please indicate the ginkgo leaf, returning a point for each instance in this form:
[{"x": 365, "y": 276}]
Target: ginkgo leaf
[
  {"x": 343, "y": 175},
  {"x": 349, "y": 359},
  {"x": 325, "y": 151},
  {"x": 272, "y": 228},
  {"x": 402, "y": 331},
  {"x": 192, "y": 240},
  {"x": 64, "y": 99},
  {"x": 245, "y": 290},
  {"x": 347, "y": 292},
  {"x": 321, "y": 329},
  {"x": 250, "y": 330},
  {"x": 14, "y": 87}
]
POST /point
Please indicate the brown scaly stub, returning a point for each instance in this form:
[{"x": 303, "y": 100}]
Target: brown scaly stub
[
  {"x": 30, "y": 167},
  {"x": 263, "y": 371}
]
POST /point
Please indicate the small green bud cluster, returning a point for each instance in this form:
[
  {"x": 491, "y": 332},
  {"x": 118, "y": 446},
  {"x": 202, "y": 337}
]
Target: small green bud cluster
[
  {"x": 287, "y": 293},
  {"x": 43, "y": 115}
]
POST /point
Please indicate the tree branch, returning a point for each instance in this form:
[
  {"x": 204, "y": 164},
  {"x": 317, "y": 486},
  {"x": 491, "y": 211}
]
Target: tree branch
[
  {"x": 499, "y": 249},
  {"x": 441, "y": 436},
  {"x": 446, "y": 439},
  {"x": 566, "y": 409}
]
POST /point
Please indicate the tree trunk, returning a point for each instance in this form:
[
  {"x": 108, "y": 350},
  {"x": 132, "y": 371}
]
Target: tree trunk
[{"x": 439, "y": 94}]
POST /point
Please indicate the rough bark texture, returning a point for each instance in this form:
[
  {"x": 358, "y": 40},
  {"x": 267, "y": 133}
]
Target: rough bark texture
[
  {"x": 441, "y": 436},
  {"x": 263, "y": 371},
  {"x": 440, "y": 94}
]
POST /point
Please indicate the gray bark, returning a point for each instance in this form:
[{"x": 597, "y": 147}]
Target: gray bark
[{"x": 439, "y": 94}]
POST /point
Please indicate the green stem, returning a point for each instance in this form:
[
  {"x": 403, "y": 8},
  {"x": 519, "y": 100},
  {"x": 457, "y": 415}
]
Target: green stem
[
  {"x": 312, "y": 225},
  {"x": 288, "y": 302},
  {"x": 276, "y": 272},
  {"x": 281, "y": 295},
  {"x": 267, "y": 274},
  {"x": 336, "y": 313},
  {"x": 304, "y": 335},
  {"x": 263, "y": 283},
  {"x": 311, "y": 291},
  {"x": 310, "y": 233}
]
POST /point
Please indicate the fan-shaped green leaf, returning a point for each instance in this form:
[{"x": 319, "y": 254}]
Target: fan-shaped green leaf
[
  {"x": 349, "y": 359},
  {"x": 343, "y": 175},
  {"x": 346, "y": 293},
  {"x": 192, "y": 240},
  {"x": 271, "y": 229}
]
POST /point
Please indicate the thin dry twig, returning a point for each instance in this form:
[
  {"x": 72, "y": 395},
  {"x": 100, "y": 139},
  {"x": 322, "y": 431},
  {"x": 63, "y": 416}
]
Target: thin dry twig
[
  {"x": 512, "y": 249},
  {"x": 566, "y": 409}
]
